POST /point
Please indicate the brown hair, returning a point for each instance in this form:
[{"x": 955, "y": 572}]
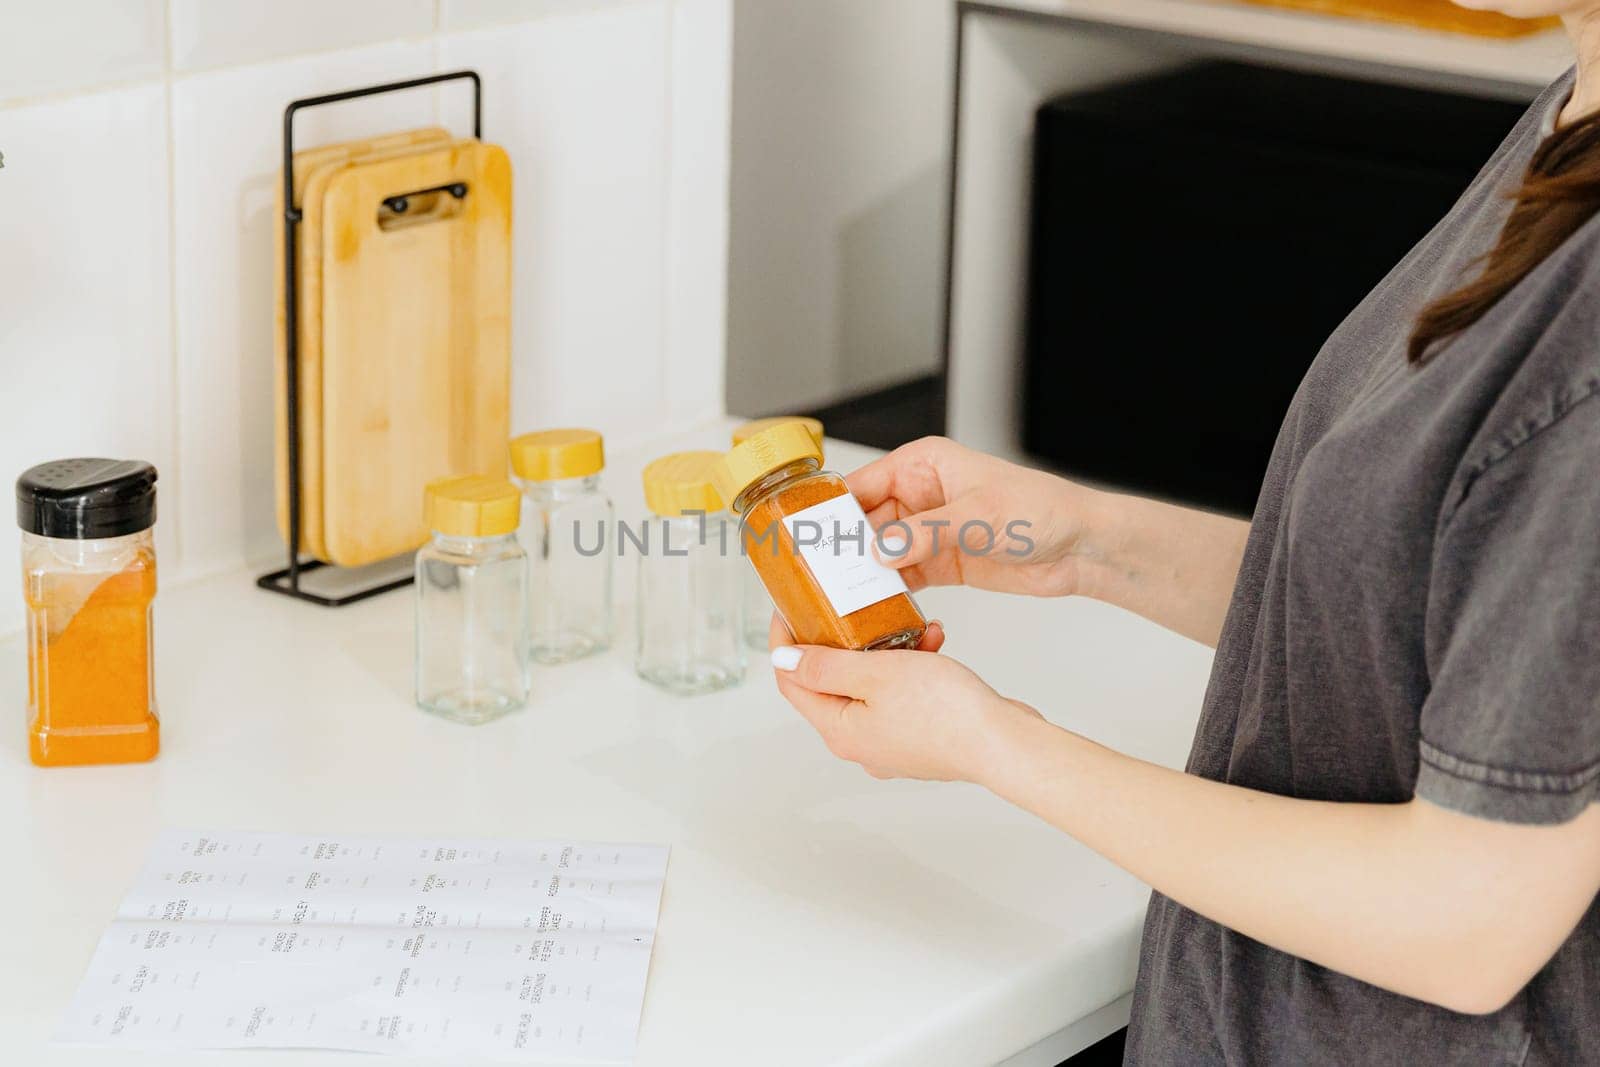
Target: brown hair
[{"x": 1560, "y": 192}]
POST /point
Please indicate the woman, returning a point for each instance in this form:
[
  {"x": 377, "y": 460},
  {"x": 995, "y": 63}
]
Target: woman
[{"x": 1386, "y": 848}]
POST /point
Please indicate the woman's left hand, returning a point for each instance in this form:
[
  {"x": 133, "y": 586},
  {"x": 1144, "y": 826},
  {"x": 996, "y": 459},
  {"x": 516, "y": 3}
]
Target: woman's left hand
[{"x": 900, "y": 714}]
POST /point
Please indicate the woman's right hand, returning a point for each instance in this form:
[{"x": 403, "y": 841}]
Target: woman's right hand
[
  {"x": 1174, "y": 565},
  {"x": 932, "y": 490}
]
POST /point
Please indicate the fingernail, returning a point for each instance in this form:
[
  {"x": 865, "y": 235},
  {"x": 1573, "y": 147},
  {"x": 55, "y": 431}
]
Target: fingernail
[
  {"x": 892, "y": 545},
  {"x": 786, "y": 657}
]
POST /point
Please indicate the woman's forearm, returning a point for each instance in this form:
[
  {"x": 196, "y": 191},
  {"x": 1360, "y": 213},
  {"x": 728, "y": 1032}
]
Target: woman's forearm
[
  {"x": 1175, "y": 566},
  {"x": 1453, "y": 910}
]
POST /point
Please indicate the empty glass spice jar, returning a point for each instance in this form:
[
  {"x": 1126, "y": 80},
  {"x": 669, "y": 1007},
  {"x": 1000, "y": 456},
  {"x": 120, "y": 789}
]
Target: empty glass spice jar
[
  {"x": 808, "y": 538},
  {"x": 690, "y": 581},
  {"x": 567, "y": 530},
  {"x": 757, "y": 604},
  {"x": 89, "y": 580},
  {"x": 472, "y": 601}
]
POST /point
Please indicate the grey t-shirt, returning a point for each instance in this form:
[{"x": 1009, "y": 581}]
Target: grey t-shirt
[{"x": 1417, "y": 614}]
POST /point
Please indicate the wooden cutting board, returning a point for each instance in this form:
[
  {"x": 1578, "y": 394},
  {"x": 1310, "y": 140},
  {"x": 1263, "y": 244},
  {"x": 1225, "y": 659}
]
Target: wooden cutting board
[
  {"x": 310, "y": 353},
  {"x": 416, "y": 340},
  {"x": 314, "y": 165}
]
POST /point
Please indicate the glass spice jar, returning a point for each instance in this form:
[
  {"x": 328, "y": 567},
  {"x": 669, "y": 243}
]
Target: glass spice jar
[
  {"x": 810, "y": 542},
  {"x": 472, "y": 602},
  {"x": 690, "y": 581},
  {"x": 568, "y": 532},
  {"x": 89, "y": 580},
  {"x": 757, "y": 604}
]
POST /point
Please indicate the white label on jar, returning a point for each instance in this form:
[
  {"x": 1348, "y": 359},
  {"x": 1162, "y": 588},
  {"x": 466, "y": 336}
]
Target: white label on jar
[{"x": 835, "y": 541}]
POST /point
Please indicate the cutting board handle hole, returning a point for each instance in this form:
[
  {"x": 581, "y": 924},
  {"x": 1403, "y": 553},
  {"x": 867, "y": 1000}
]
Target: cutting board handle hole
[{"x": 422, "y": 206}]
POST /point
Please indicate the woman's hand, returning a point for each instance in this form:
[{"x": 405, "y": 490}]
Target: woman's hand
[
  {"x": 965, "y": 518},
  {"x": 1050, "y": 537},
  {"x": 899, "y": 714}
]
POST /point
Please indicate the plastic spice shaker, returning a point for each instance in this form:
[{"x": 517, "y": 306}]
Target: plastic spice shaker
[{"x": 89, "y": 580}]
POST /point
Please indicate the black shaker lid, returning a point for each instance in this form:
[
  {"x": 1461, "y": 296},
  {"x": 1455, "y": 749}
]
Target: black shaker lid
[{"x": 81, "y": 499}]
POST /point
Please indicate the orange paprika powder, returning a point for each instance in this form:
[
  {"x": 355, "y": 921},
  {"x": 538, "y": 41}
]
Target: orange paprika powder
[
  {"x": 89, "y": 579},
  {"x": 810, "y": 542}
]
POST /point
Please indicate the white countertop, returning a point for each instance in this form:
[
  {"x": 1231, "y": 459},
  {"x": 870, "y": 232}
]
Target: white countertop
[{"x": 811, "y": 915}]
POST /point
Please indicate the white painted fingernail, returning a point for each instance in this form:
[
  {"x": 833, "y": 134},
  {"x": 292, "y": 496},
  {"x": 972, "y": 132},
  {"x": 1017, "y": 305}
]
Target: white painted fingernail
[
  {"x": 786, "y": 657},
  {"x": 892, "y": 545}
]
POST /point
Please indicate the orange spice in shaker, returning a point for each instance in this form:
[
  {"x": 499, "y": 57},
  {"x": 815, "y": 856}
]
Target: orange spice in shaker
[
  {"x": 810, "y": 542},
  {"x": 88, "y": 577}
]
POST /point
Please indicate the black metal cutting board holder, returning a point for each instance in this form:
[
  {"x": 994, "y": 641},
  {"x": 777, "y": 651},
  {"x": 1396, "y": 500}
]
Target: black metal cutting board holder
[{"x": 287, "y": 580}]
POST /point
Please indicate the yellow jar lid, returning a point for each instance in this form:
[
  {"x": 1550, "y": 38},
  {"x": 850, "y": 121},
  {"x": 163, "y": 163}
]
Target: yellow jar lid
[
  {"x": 681, "y": 482},
  {"x": 813, "y": 426},
  {"x": 762, "y": 453},
  {"x": 471, "y": 505},
  {"x": 551, "y": 455}
]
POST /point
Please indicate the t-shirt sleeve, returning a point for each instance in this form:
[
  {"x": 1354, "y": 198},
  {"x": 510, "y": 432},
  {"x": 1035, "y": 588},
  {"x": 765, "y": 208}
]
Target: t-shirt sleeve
[{"x": 1511, "y": 725}]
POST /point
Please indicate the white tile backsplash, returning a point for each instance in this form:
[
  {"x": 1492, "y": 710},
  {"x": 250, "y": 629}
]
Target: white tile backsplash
[
  {"x": 63, "y": 45},
  {"x": 215, "y": 33},
  {"x": 136, "y": 222},
  {"x": 697, "y": 208},
  {"x": 475, "y": 14},
  {"x": 85, "y": 342},
  {"x": 581, "y": 105}
]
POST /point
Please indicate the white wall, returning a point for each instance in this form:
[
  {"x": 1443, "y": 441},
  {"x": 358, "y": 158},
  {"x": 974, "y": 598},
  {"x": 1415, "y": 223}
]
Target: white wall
[
  {"x": 841, "y": 123},
  {"x": 141, "y": 144}
]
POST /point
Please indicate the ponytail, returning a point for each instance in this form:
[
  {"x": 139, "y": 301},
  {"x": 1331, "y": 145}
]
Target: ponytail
[{"x": 1560, "y": 193}]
